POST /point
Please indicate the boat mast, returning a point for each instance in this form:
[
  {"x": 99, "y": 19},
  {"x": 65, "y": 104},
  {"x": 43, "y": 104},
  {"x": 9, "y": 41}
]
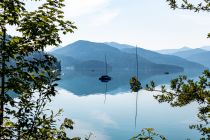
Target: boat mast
[
  {"x": 106, "y": 64},
  {"x": 137, "y": 64},
  {"x": 137, "y": 76}
]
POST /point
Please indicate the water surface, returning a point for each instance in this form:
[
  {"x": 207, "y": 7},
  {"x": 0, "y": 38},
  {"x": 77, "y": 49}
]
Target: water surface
[{"x": 108, "y": 109}]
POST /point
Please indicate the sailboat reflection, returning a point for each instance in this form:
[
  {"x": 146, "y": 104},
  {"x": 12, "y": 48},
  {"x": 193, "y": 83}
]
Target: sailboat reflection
[
  {"x": 105, "y": 94},
  {"x": 105, "y": 79},
  {"x": 136, "y": 85},
  {"x": 106, "y": 87}
]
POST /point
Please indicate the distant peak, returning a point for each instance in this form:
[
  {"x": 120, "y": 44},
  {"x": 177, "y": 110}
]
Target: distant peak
[
  {"x": 81, "y": 41},
  {"x": 185, "y": 47},
  {"x": 206, "y": 48}
]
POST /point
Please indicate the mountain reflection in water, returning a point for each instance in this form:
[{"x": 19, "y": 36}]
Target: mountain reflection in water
[
  {"x": 84, "y": 83},
  {"x": 115, "y": 119},
  {"x": 108, "y": 109}
]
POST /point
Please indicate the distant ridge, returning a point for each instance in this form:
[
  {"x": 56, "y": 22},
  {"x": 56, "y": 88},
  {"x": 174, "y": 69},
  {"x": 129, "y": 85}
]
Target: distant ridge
[
  {"x": 207, "y": 48},
  {"x": 118, "y": 45},
  {"x": 163, "y": 58},
  {"x": 87, "y": 52},
  {"x": 171, "y": 51},
  {"x": 196, "y": 55},
  {"x": 187, "y": 53},
  {"x": 202, "y": 58}
]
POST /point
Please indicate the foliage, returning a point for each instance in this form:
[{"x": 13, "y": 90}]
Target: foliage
[
  {"x": 185, "y": 91},
  {"x": 135, "y": 84},
  {"x": 148, "y": 134},
  {"x": 28, "y": 72},
  {"x": 186, "y": 5}
]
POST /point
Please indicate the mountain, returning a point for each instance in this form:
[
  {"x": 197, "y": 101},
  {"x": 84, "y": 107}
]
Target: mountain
[
  {"x": 83, "y": 63},
  {"x": 187, "y": 53},
  {"x": 67, "y": 61},
  {"x": 166, "y": 59},
  {"x": 207, "y": 48},
  {"x": 91, "y": 53},
  {"x": 163, "y": 58},
  {"x": 202, "y": 58},
  {"x": 118, "y": 45},
  {"x": 196, "y": 55},
  {"x": 170, "y": 51}
]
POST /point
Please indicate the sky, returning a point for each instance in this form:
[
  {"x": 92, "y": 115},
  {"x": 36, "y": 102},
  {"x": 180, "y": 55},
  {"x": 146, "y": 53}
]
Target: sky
[{"x": 149, "y": 24}]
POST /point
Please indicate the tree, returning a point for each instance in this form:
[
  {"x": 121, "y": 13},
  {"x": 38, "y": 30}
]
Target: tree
[
  {"x": 184, "y": 91},
  {"x": 29, "y": 73},
  {"x": 202, "y": 6},
  {"x": 148, "y": 134}
]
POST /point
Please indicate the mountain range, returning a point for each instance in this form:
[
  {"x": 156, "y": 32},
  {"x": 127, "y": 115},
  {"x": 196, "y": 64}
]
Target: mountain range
[
  {"x": 198, "y": 55},
  {"x": 207, "y": 48},
  {"x": 83, "y": 62},
  {"x": 171, "y": 51},
  {"x": 89, "y": 56},
  {"x": 163, "y": 58},
  {"x": 82, "y": 54}
]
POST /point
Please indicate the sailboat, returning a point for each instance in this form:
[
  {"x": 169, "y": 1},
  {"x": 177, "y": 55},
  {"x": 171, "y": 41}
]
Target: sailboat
[{"x": 106, "y": 77}]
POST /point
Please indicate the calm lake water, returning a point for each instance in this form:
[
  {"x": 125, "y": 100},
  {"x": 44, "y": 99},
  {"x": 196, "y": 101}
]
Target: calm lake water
[{"x": 108, "y": 109}]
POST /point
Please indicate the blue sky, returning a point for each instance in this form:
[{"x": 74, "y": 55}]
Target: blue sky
[{"x": 150, "y": 24}]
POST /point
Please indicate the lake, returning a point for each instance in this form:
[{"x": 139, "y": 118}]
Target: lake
[{"x": 108, "y": 109}]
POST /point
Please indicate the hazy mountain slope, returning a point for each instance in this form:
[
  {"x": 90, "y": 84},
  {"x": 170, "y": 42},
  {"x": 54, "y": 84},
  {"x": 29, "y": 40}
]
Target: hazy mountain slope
[
  {"x": 118, "y": 45},
  {"x": 202, "y": 58},
  {"x": 86, "y": 51},
  {"x": 163, "y": 58},
  {"x": 66, "y": 60},
  {"x": 166, "y": 59},
  {"x": 207, "y": 48},
  {"x": 170, "y": 51},
  {"x": 187, "y": 53}
]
